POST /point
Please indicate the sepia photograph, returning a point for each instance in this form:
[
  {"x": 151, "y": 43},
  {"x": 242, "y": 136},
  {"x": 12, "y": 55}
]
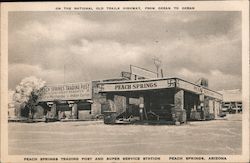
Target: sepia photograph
[{"x": 125, "y": 82}]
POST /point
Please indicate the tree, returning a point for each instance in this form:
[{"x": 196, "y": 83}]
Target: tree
[{"x": 27, "y": 93}]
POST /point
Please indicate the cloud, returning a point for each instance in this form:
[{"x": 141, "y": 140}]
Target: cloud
[
  {"x": 82, "y": 46},
  {"x": 98, "y": 52},
  {"x": 216, "y": 78},
  {"x": 16, "y": 72}
]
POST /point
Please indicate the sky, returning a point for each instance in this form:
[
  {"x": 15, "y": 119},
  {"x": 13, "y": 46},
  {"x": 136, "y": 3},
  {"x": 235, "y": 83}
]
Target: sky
[{"x": 63, "y": 47}]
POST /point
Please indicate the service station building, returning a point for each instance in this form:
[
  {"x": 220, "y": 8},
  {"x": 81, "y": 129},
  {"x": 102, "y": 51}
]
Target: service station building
[{"x": 165, "y": 99}]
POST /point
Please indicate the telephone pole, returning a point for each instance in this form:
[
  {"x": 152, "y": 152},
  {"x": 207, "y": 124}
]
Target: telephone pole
[{"x": 157, "y": 64}]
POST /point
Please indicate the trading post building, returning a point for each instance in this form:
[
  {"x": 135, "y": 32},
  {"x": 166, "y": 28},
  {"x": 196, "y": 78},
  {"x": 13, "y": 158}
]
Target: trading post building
[
  {"x": 147, "y": 100},
  {"x": 70, "y": 101}
]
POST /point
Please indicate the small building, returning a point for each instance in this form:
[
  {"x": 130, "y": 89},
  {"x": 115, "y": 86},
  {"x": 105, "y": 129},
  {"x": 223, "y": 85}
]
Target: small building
[
  {"x": 232, "y": 100},
  {"x": 165, "y": 99},
  {"x": 66, "y": 101},
  {"x": 73, "y": 101}
]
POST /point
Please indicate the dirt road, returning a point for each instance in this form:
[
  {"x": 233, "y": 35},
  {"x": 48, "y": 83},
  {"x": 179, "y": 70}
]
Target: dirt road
[{"x": 85, "y": 138}]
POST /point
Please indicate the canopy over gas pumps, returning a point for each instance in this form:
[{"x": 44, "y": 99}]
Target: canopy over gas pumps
[
  {"x": 172, "y": 99},
  {"x": 151, "y": 84}
]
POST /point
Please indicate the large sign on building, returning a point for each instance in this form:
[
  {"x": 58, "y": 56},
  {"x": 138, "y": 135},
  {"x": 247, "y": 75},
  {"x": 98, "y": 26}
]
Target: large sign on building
[
  {"x": 158, "y": 84},
  {"x": 135, "y": 86},
  {"x": 69, "y": 91}
]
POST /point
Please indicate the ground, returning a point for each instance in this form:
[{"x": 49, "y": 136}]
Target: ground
[{"x": 86, "y": 138}]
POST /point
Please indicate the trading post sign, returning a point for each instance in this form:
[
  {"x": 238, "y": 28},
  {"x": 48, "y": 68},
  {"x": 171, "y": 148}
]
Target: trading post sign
[{"x": 70, "y": 91}]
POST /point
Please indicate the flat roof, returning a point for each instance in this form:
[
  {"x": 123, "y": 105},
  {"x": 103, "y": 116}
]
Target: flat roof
[{"x": 157, "y": 83}]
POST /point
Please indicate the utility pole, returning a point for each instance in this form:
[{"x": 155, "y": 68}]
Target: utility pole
[
  {"x": 157, "y": 61},
  {"x": 157, "y": 64}
]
